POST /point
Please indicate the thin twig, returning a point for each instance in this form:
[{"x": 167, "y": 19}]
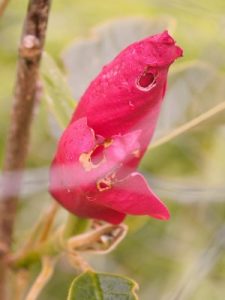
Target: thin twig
[
  {"x": 48, "y": 265},
  {"x": 3, "y": 6},
  {"x": 30, "y": 51},
  {"x": 79, "y": 263},
  {"x": 22, "y": 280},
  {"x": 48, "y": 222},
  {"x": 189, "y": 125},
  {"x": 197, "y": 272},
  {"x": 39, "y": 233}
]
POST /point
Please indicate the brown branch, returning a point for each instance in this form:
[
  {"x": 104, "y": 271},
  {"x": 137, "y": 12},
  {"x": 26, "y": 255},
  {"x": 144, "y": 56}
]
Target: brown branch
[
  {"x": 30, "y": 50},
  {"x": 3, "y": 6}
]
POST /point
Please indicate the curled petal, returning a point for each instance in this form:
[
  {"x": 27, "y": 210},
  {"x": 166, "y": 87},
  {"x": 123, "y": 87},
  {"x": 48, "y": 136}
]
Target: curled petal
[
  {"x": 76, "y": 139},
  {"x": 133, "y": 196},
  {"x": 92, "y": 174},
  {"x": 79, "y": 164}
]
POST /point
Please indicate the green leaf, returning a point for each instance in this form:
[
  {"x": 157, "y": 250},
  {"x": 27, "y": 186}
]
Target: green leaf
[
  {"x": 102, "y": 286},
  {"x": 135, "y": 223},
  {"x": 56, "y": 91}
]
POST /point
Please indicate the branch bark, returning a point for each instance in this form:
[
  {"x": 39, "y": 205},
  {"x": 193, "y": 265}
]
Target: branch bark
[
  {"x": 3, "y": 6},
  {"x": 30, "y": 50}
]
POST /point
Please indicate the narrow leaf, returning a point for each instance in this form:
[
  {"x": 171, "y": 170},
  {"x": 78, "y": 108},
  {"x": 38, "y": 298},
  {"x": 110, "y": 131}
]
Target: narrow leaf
[{"x": 56, "y": 91}]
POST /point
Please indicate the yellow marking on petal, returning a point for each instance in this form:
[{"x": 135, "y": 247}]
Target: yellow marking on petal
[
  {"x": 85, "y": 160},
  {"x": 136, "y": 153},
  {"x": 106, "y": 182},
  {"x": 107, "y": 143}
]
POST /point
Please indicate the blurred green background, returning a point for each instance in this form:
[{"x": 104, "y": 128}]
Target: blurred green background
[{"x": 176, "y": 260}]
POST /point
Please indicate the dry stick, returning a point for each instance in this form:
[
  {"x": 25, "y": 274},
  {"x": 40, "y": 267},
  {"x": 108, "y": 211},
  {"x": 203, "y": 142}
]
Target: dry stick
[
  {"x": 30, "y": 51},
  {"x": 189, "y": 125},
  {"x": 39, "y": 233},
  {"x": 21, "y": 284},
  {"x": 3, "y": 6},
  {"x": 49, "y": 220},
  {"x": 48, "y": 264}
]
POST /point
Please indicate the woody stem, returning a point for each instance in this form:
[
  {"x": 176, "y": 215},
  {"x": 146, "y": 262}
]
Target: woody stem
[
  {"x": 3, "y": 6},
  {"x": 30, "y": 50}
]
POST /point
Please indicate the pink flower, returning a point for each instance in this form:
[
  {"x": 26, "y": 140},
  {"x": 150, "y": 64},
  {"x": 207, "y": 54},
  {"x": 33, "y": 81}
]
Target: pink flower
[{"x": 93, "y": 173}]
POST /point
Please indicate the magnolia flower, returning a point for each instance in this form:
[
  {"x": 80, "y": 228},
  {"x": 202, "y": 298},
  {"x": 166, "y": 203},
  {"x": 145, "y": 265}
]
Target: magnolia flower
[{"x": 93, "y": 174}]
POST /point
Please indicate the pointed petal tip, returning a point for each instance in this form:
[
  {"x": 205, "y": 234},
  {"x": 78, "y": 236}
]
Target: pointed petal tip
[
  {"x": 167, "y": 49},
  {"x": 167, "y": 39},
  {"x": 163, "y": 38},
  {"x": 164, "y": 215},
  {"x": 179, "y": 51}
]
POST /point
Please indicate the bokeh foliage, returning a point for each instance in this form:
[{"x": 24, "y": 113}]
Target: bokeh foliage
[{"x": 168, "y": 260}]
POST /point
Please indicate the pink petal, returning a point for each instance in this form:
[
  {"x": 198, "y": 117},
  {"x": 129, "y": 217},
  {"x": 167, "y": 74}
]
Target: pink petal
[
  {"x": 79, "y": 205},
  {"x": 91, "y": 209},
  {"x": 121, "y": 105},
  {"x": 123, "y": 146},
  {"x": 66, "y": 172},
  {"x": 76, "y": 139},
  {"x": 133, "y": 196},
  {"x": 112, "y": 103}
]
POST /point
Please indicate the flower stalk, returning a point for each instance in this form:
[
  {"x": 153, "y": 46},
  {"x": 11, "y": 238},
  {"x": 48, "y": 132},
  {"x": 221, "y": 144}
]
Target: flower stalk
[{"x": 75, "y": 226}]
